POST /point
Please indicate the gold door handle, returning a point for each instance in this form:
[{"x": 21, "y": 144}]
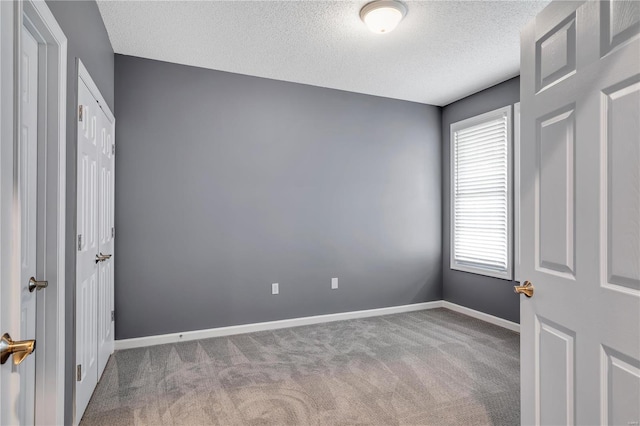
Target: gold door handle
[
  {"x": 19, "y": 349},
  {"x": 37, "y": 285},
  {"x": 526, "y": 289},
  {"x": 102, "y": 257}
]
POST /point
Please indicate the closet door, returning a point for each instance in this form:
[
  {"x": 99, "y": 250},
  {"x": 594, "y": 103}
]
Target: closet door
[
  {"x": 96, "y": 232},
  {"x": 88, "y": 248}
]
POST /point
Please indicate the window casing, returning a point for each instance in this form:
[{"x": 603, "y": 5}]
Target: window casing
[{"x": 482, "y": 194}]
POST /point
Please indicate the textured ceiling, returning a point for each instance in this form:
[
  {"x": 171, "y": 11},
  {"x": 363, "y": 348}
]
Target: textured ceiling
[{"x": 441, "y": 52}]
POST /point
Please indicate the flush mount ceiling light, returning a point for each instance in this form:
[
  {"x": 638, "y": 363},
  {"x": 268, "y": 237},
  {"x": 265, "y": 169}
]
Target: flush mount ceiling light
[{"x": 383, "y": 16}]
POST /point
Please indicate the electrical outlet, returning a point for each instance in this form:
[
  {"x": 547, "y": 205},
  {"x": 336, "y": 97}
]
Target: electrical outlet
[
  {"x": 275, "y": 288},
  {"x": 334, "y": 283}
]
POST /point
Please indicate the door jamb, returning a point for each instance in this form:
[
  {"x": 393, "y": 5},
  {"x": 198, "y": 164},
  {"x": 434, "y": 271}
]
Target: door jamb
[{"x": 52, "y": 46}]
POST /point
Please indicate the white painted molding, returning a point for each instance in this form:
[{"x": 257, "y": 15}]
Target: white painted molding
[
  {"x": 270, "y": 325},
  {"x": 516, "y": 192},
  {"x": 482, "y": 316},
  {"x": 140, "y": 342},
  {"x": 36, "y": 16}
]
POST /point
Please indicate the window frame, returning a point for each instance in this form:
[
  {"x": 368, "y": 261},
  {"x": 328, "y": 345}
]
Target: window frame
[
  {"x": 461, "y": 125},
  {"x": 516, "y": 192}
]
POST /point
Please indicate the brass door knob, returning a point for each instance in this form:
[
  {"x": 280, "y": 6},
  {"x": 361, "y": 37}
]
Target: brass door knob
[
  {"x": 19, "y": 349},
  {"x": 526, "y": 289}
]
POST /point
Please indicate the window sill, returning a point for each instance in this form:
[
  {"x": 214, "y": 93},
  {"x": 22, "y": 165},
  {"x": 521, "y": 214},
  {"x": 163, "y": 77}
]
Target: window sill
[{"x": 507, "y": 276}]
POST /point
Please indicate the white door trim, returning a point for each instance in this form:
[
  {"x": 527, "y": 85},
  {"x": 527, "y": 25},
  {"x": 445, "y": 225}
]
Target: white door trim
[
  {"x": 516, "y": 192},
  {"x": 50, "y": 366},
  {"x": 51, "y": 310}
]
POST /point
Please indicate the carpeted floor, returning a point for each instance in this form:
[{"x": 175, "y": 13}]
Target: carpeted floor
[{"x": 434, "y": 367}]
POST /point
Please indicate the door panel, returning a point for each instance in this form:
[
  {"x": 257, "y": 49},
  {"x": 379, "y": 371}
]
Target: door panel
[
  {"x": 580, "y": 210},
  {"x": 556, "y": 53},
  {"x": 555, "y": 349},
  {"x": 619, "y": 23},
  {"x": 621, "y": 192},
  {"x": 619, "y": 390},
  {"x": 555, "y": 193}
]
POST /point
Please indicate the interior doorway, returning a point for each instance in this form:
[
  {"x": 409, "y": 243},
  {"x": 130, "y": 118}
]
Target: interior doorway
[{"x": 32, "y": 213}]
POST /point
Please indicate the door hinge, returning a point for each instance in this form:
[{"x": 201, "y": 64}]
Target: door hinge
[
  {"x": 80, "y": 112},
  {"x": 113, "y": 232},
  {"x": 79, "y": 242},
  {"x": 113, "y": 149},
  {"x": 113, "y": 316},
  {"x": 79, "y": 372}
]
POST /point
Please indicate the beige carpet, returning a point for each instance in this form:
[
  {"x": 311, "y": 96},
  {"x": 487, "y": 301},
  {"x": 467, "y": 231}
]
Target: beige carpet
[{"x": 433, "y": 367}]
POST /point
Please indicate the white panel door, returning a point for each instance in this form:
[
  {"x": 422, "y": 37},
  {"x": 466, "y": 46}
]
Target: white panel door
[
  {"x": 18, "y": 406},
  {"x": 88, "y": 247},
  {"x": 580, "y": 214},
  {"x": 106, "y": 234},
  {"x": 96, "y": 233}
]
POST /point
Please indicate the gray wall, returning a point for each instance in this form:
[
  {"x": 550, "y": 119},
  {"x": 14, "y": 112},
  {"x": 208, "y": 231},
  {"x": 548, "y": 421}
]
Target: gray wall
[
  {"x": 88, "y": 40},
  {"x": 491, "y": 295},
  {"x": 227, "y": 183}
]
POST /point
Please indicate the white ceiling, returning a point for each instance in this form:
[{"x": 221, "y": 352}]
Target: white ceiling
[{"x": 442, "y": 50}]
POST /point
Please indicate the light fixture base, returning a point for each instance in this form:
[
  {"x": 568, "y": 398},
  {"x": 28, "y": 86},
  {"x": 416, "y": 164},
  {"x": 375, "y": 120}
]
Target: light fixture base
[{"x": 382, "y": 16}]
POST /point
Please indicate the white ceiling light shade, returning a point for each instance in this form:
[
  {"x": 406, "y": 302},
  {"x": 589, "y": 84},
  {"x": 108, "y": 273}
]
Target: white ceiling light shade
[{"x": 382, "y": 16}]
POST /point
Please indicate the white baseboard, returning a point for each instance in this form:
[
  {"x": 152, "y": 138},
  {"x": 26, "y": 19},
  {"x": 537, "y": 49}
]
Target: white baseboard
[
  {"x": 161, "y": 339},
  {"x": 482, "y": 316},
  {"x": 270, "y": 325}
]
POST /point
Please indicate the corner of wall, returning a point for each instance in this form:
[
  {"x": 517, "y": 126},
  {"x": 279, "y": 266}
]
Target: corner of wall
[{"x": 492, "y": 296}]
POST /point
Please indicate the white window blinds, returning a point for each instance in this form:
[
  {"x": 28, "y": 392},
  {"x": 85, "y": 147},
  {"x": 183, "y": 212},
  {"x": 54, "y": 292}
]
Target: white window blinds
[{"x": 481, "y": 194}]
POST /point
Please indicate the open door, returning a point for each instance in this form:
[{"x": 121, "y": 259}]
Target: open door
[
  {"x": 20, "y": 354},
  {"x": 580, "y": 214}
]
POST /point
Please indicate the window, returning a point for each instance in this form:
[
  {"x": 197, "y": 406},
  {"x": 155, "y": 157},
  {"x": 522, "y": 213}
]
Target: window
[{"x": 481, "y": 194}]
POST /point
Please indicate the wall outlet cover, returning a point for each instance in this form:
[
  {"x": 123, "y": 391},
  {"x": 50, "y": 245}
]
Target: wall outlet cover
[
  {"x": 334, "y": 283},
  {"x": 275, "y": 288}
]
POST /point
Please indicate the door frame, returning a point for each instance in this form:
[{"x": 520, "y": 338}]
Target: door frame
[
  {"x": 85, "y": 77},
  {"x": 50, "y": 321}
]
